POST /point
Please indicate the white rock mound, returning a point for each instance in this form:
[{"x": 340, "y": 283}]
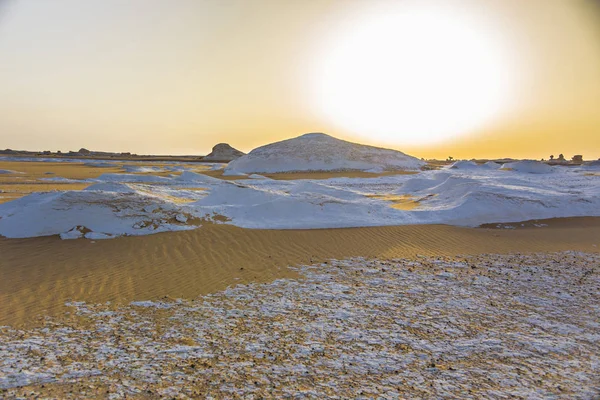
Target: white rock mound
[
  {"x": 321, "y": 152},
  {"x": 223, "y": 152},
  {"x": 529, "y": 166},
  {"x": 492, "y": 165},
  {"x": 463, "y": 164},
  {"x": 591, "y": 164},
  {"x": 470, "y": 165}
]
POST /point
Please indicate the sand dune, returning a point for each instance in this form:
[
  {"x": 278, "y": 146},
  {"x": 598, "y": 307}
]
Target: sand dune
[{"x": 41, "y": 274}]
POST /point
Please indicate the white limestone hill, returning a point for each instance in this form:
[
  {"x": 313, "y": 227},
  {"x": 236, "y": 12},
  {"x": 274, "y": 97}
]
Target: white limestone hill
[
  {"x": 493, "y": 165},
  {"x": 529, "y": 166},
  {"x": 321, "y": 152},
  {"x": 463, "y": 164},
  {"x": 223, "y": 152}
]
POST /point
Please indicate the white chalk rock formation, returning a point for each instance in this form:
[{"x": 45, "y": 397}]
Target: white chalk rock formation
[
  {"x": 321, "y": 152},
  {"x": 529, "y": 166}
]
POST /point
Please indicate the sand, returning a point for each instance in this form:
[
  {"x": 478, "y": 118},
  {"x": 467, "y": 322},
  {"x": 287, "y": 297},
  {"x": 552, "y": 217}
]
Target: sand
[
  {"x": 40, "y": 274},
  {"x": 34, "y": 170},
  {"x": 14, "y": 191},
  {"x": 29, "y": 176},
  {"x": 400, "y": 202},
  {"x": 473, "y": 327},
  {"x": 68, "y": 170}
]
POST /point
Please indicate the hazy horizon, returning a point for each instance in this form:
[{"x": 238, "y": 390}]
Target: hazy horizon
[
  {"x": 433, "y": 79},
  {"x": 441, "y": 158}
]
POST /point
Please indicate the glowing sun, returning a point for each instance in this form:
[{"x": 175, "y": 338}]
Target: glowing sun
[{"x": 413, "y": 75}]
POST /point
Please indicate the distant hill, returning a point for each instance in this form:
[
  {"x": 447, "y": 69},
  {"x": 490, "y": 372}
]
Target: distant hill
[
  {"x": 223, "y": 152},
  {"x": 321, "y": 152}
]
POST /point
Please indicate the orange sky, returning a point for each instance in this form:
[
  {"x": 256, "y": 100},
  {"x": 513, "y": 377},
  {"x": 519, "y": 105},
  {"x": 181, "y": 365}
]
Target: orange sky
[{"x": 160, "y": 77}]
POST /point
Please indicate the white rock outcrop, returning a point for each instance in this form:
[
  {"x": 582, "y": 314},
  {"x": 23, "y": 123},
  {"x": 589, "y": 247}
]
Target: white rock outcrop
[
  {"x": 321, "y": 152},
  {"x": 223, "y": 152}
]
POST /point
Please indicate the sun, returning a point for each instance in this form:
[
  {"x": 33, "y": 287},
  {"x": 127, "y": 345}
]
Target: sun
[{"x": 414, "y": 75}]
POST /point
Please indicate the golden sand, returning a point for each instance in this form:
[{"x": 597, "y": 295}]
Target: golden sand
[
  {"x": 28, "y": 176},
  {"x": 37, "y": 170},
  {"x": 40, "y": 274},
  {"x": 399, "y": 201},
  {"x": 485, "y": 325},
  {"x": 78, "y": 170},
  {"x": 9, "y": 192}
]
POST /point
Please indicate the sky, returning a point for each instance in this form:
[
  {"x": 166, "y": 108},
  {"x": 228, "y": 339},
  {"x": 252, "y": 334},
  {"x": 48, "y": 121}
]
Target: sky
[{"x": 433, "y": 78}]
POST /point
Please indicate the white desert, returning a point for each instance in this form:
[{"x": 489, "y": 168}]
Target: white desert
[
  {"x": 312, "y": 266},
  {"x": 300, "y": 199}
]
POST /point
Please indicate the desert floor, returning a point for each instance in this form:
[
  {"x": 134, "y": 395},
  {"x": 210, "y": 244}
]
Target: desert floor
[
  {"x": 472, "y": 326},
  {"x": 426, "y": 311},
  {"x": 41, "y": 274},
  {"x": 38, "y": 176}
]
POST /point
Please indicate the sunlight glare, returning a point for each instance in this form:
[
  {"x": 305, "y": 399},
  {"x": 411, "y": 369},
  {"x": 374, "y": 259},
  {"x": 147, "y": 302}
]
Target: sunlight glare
[{"x": 413, "y": 76}]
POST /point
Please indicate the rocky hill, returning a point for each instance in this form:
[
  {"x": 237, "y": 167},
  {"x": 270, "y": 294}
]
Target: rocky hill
[
  {"x": 321, "y": 152},
  {"x": 223, "y": 152}
]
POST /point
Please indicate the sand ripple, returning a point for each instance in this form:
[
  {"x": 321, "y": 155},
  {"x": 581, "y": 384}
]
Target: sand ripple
[{"x": 443, "y": 327}]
